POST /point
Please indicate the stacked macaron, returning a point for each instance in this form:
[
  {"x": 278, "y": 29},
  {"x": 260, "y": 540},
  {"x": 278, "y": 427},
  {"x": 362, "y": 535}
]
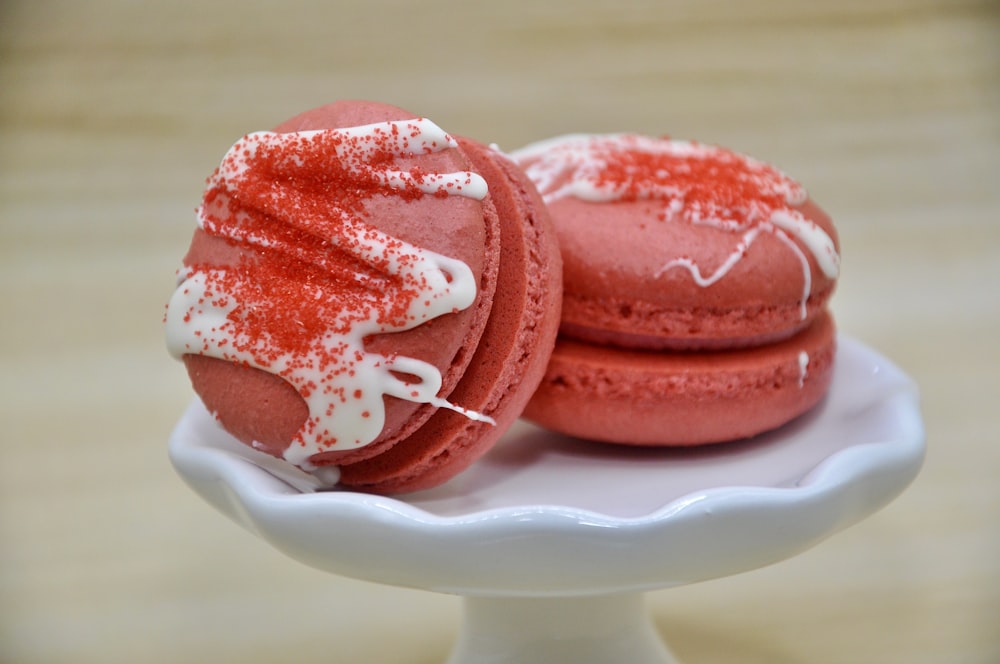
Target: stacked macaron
[
  {"x": 367, "y": 297},
  {"x": 696, "y": 282}
]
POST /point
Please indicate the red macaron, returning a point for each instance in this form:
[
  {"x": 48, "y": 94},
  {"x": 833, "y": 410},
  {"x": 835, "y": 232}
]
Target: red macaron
[
  {"x": 696, "y": 283},
  {"x": 367, "y": 297}
]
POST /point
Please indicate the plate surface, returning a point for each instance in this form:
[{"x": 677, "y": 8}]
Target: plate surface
[{"x": 546, "y": 515}]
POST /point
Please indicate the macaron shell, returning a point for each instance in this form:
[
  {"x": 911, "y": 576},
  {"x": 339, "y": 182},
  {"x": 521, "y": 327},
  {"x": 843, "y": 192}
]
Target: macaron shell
[
  {"x": 680, "y": 398},
  {"x": 617, "y": 291},
  {"x": 512, "y": 354},
  {"x": 263, "y": 410}
]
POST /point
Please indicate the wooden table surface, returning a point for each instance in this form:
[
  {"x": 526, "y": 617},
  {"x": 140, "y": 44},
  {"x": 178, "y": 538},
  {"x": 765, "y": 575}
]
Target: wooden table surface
[{"x": 112, "y": 113}]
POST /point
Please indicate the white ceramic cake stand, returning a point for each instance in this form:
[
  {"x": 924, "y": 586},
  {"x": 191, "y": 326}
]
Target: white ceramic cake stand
[{"x": 552, "y": 541}]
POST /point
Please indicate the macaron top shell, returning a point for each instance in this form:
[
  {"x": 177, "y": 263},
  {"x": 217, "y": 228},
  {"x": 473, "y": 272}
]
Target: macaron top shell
[
  {"x": 347, "y": 260},
  {"x": 674, "y": 244}
]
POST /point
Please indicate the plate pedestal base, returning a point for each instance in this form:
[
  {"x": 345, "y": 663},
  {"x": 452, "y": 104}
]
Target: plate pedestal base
[{"x": 599, "y": 629}]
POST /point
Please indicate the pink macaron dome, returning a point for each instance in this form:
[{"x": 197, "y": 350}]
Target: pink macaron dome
[
  {"x": 696, "y": 285},
  {"x": 367, "y": 297}
]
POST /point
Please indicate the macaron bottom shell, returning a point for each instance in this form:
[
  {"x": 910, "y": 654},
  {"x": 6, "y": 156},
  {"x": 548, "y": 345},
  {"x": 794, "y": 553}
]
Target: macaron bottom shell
[{"x": 678, "y": 398}]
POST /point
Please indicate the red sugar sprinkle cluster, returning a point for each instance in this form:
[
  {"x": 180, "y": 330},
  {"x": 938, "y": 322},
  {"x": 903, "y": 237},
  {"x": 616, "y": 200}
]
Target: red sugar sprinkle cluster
[
  {"x": 714, "y": 183},
  {"x": 311, "y": 268}
]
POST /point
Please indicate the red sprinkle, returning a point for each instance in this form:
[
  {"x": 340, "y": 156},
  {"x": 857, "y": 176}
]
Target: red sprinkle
[
  {"x": 716, "y": 183},
  {"x": 296, "y": 210}
]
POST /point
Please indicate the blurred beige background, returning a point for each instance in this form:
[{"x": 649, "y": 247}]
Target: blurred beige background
[{"x": 112, "y": 113}]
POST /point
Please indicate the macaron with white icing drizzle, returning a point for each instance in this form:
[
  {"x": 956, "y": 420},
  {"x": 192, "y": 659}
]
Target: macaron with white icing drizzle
[
  {"x": 343, "y": 277},
  {"x": 696, "y": 284}
]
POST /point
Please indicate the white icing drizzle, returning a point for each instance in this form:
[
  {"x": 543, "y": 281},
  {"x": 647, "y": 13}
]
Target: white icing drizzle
[
  {"x": 342, "y": 383},
  {"x": 803, "y": 367},
  {"x": 576, "y": 165},
  {"x": 724, "y": 267}
]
